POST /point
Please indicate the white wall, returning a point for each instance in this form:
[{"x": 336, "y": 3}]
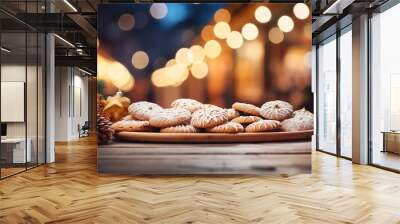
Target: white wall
[{"x": 71, "y": 103}]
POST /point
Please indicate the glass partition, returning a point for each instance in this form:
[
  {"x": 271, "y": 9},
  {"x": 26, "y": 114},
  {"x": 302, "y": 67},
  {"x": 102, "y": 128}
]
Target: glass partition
[
  {"x": 327, "y": 96},
  {"x": 385, "y": 89},
  {"x": 346, "y": 93}
]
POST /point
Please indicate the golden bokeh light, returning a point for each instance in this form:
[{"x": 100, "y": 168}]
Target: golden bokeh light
[
  {"x": 222, "y": 15},
  {"x": 120, "y": 77},
  {"x": 234, "y": 40},
  {"x": 197, "y": 53},
  {"x": 174, "y": 74},
  {"x": 207, "y": 33},
  {"x": 199, "y": 70},
  {"x": 212, "y": 49},
  {"x": 263, "y": 14},
  {"x": 275, "y": 35},
  {"x": 158, "y": 78},
  {"x": 222, "y": 30},
  {"x": 140, "y": 59},
  {"x": 158, "y": 10},
  {"x": 301, "y": 11},
  {"x": 126, "y": 22},
  {"x": 184, "y": 56},
  {"x": 250, "y": 31},
  {"x": 286, "y": 24}
]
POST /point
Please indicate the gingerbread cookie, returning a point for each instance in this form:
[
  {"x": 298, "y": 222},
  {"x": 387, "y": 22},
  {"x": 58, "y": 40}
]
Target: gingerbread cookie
[
  {"x": 298, "y": 123},
  {"x": 247, "y": 108},
  {"x": 131, "y": 125},
  {"x": 276, "y": 110},
  {"x": 232, "y": 113},
  {"x": 244, "y": 120},
  {"x": 229, "y": 127},
  {"x": 263, "y": 126},
  {"x": 209, "y": 117},
  {"x": 170, "y": 117},
  {"x": 188, "y": 104},
  {"x": 180, "y": 129},
  {"x": 143, "y": 110}
]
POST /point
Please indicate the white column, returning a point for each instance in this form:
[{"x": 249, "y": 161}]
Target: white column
[{"x": 360, "y": 90}]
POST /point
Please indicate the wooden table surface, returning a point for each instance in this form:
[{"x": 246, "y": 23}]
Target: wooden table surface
[{"x": 243, "y": 158}]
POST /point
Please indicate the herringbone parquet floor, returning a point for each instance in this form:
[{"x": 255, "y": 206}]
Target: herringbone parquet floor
[{"x": 70, "y": 191}]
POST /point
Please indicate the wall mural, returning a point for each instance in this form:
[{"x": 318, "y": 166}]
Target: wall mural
[{"x": 190, "y": 88}]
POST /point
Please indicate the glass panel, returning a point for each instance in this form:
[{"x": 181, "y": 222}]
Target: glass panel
[
  {"x": 385, "y": 83},
  {"x": 346, "y": 94},
  {"x": 327, "y": 96},
  {"x": 13, "y": 85}
]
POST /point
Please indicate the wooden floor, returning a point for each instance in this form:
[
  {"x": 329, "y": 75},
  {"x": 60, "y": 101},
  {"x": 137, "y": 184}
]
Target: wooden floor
[{"x": 71, "y": 191}]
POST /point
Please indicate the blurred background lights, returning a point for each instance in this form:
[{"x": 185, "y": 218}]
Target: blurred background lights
[
  {"x": 222, "y": 30},
  {"x": 207, "y": 33},
  {"x": 222, "y": 15},
  {"x": 140, "y": 59},
  {"x": 199, "y": 70},
  {"x": 234, "y": 40},
  {"x": 301, "y": 11},
  {"x": 158, "y": 10},
  {"x": 275, "y": 35},
  {"x": 285, "y": 23},
  {"x": 262, "y": 14},
  {"x": 120, "y": 76},
  {"x": 197, "y": 53},
  {"x": 212, "y": 49},
  {"x": 126, "y": 22},
  {"x": 250, "y": 31},
  {"x": 184, "y": 56}
]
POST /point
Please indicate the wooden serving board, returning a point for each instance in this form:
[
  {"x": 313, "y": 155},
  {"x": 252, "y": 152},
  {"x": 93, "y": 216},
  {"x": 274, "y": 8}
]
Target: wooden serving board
[{"x": 213, "y": 137}]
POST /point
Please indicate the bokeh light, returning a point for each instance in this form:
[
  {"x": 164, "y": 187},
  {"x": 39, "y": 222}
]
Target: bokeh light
[
  {"x": 212, "y": 49},
  {"x": 263, "y": 14},
  {"x": 301, "y": 11},
  {"x": 158, "y": 10},
  {"x": 222, "y": 15},
  {"x": 275, "y": 35},
  {"x": 234, "y": 40},
  {"x": 207, "y": 33},
  {"x": 285, "y": 23},
  {"x": 184, "y": 56},
  {"x": 199, "y": 70},
  {"x": 126, "y": 22},
  {"x": 250, "y": 31},
  {"x": 222, "y": 30},
  {"x": 197, "y": 53},
  {"x": 120, "y": 76},
  {"x": 140, "y": 59}
]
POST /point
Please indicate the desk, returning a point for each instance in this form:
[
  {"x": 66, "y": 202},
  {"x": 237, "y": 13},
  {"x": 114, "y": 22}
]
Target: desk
[
  {"x": 391, "y": 141},
  {"x": 13, "y": 150}
]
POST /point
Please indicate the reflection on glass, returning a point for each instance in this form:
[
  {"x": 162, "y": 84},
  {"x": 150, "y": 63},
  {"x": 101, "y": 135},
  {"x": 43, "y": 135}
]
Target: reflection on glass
[
  {"x": 327, "y": 97},
  {"x": 346, "y": 94},
  {"x": 385, "y": 89}
]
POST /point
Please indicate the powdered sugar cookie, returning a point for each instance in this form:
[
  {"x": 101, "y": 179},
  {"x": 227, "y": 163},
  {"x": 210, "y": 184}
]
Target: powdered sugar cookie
[
  {"x": 247, "y": 108},
  {"x": 131, "y": 125},
  {"x": 188, "y": 104},
  {"x": 232, "y": 113},
  {"x": 143, "y": 110},
  {"x": 276, "y": 110},
  {"x": 209, "y": 117},
  {"x": 128, "y": 117},
  {"x": 246, "y": 119},
  {"x": 303, "y": 113},
  {"x": 298, "y": 123},
  {"x": 228, "y": 127},
  {"x": 180, "y": 129},
  {"x": 263, "y": 126},
  {"x": 170, "y": 117}
]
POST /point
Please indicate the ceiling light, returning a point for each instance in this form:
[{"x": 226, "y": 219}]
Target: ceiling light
[
  {"x": 84, "y": 71},
  {"x": 64, "y": 40},
  {"x": 70, "y": 5},
  {"x": 5, "y": 50}
]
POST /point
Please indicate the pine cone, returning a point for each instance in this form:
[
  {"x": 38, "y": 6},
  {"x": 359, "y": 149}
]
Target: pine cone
[{"x": 104, "y": 130}]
